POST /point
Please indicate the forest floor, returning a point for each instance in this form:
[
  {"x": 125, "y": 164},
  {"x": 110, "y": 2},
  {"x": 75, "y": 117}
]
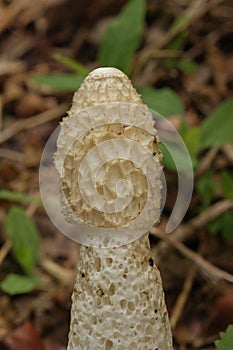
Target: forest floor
[{"x": 196, "y": 266}]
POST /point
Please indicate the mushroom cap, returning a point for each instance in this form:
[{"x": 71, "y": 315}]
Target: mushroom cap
[
  {"x": 104, "y": 85},
  {"x": 108, "y": 162},
  {"x": 106, "y": 72}
]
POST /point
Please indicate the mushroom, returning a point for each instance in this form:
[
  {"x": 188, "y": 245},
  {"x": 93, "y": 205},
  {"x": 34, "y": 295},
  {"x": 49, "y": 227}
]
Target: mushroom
[{"x": 110, "y": 177}]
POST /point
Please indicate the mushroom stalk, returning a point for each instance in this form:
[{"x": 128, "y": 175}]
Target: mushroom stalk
[
  {"x": 118, "y": 300},
  {"x": 110, "y": 175}
]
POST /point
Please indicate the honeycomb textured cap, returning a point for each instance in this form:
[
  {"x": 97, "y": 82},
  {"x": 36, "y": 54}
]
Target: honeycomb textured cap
[
  {"x": 104, "y": 85},
  {"x": 102, "y": 147},
  {"x": 105, "y": 72}
]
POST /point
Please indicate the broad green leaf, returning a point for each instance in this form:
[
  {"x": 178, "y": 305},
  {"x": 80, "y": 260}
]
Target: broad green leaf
[
  {"x": 183, "y": 127},
  {"x": 167, "y": 160},
  {"x": 165, "y": 101},
  {"x": 18, "y": 284},
  {"x": 217, "y": 128},
  {"x": 191, "y": 138},
  {"x": 206, "y": 186},
  {"x": 20, "y": 197},
  {"x": 226, "y": 182},
  {"x": 24, "y": 237},
  {"x": 74, "y": 65},
  {"x": 226, "y": 341},
  {"x": 122, "y": 36},
  {"x": 65, "y": 82},
  {"x": 175, "y": 160}
]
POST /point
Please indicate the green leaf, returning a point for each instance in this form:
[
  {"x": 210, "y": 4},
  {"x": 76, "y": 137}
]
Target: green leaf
[
  {"x": 217, "y": 128},
  {"x": 20, "y": 197},
  {"x": 165, "y": 101},
  {"x": 206, "y": 186},
  {"x": 227, "y": 224},
  {"x": 74, "y": 65},
  {"x": 226, "y": 341},
  {"x": 65, "y": 82},
  {"x": 226, "y": 182},
  {"x": 18, "y": 284},
  {"x": 178, "y": 42},
  {"x": 186, "y": 66},
  {"x": 222, "y": 225},
  {"x": 179, "y": 21},
  {"x": 174, "y": 157},
  {"x": 24, "y": 237},
  {"x": 122, "y": 37},
  {"x": 167, "y": 160},
  {"x": 191, "y": 137}
]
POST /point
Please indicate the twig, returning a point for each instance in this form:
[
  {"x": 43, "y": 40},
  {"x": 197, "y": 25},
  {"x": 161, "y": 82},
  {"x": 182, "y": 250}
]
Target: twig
[
  {"x": 196, "y": 9},
  {"x": 152, "y": 52},
  {"x": 36, "y": 120},
  {"x": 11, "y": 67},
  {"x": 183, "y": 232},
  {"x": 0, "y": 113},
  {"x": 209, "y": 270},
  {"x": 207, "y": 160},
  {"x": 211, "y": 213},
  {"x": 31, "y": 13},
  {"x": 181, "y": 300},
  {"x": 228, "y": 150},
  {"x": 5, "y": 250},
  {"x": 13, "y": 155},
  {"x": 60, "y": 273},
  {"x": 31, "y": 209},
  {"x": 11, "y": 12}
]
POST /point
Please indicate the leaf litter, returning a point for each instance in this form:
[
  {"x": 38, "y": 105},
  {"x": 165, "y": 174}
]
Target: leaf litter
[{"x": 183, "y": 48}]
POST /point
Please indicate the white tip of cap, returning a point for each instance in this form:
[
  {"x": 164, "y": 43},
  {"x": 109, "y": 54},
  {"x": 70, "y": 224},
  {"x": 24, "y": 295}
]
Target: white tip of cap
[{"x": 106, "y": 72}]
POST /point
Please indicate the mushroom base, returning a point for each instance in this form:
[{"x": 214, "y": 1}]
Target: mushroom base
[{"x": 118, "y": 301}]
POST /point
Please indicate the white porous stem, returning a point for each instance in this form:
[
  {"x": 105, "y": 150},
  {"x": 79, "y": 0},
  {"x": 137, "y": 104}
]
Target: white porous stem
[{"x": 118, "y": 301}]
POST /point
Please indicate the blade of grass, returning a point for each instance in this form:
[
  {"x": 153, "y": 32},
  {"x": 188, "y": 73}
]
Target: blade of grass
[
  {"x": 65, "y": 82},
  {"x": 19, "y": 197},
  {"x": 72, "y": 64}
]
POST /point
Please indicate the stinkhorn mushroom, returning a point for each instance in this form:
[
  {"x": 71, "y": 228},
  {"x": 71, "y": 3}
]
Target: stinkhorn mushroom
[{"x": 110, "y": 175}]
